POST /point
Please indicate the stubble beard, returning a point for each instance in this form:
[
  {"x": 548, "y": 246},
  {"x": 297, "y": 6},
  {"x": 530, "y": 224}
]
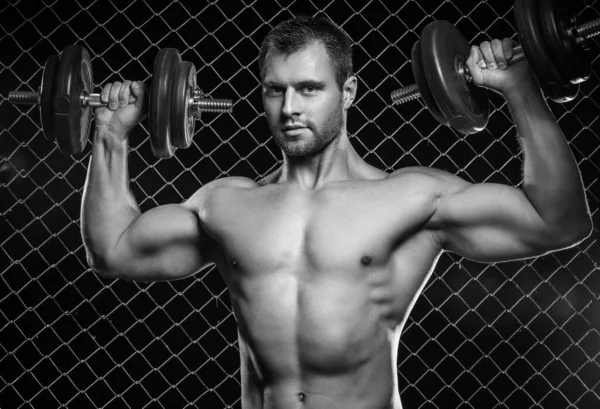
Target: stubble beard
[{"x": 322, "y": 137}]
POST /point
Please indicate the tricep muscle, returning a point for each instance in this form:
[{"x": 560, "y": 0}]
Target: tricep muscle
[{"x": 493, "y": 222}]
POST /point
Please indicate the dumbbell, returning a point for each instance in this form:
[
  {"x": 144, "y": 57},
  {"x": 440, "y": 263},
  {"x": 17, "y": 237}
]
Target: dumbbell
[
  {"x": 66, "y": 101},
  {"x": 552, "y": 43}
]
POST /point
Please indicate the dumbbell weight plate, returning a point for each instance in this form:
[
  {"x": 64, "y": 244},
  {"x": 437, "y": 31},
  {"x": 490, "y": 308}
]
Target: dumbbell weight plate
[
  {"x": 538, "y": 57},
  {"x": 72, "y": 122},
  {"x": 419, "y": 75},
  {"x": 47, "y": 97},
  {"x": 464, "y": 105},
  {"x": 163, "y": 73},
  {"x": 182, "y": 118},
  {"x": 572, "y": 60}
]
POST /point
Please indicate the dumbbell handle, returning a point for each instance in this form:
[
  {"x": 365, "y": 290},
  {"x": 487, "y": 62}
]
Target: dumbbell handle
[
  {"x": 402, "y": 95},
  {"x": 33, "y": 98},
  {"x": 581, "y": 32},
  {"x": 94, "y": 100}
]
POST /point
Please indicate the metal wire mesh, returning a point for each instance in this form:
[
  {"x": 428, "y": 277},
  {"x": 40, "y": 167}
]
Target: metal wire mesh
[{"x": 521, "y": 334}]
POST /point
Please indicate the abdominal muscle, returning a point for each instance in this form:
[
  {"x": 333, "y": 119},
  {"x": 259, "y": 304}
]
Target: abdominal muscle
[{"x": 314, "y": 340}]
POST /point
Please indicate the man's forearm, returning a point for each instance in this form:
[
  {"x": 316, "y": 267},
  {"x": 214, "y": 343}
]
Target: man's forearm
[
  {"x": 108, "y": 206},
  {"x": 551, "y": 177}
]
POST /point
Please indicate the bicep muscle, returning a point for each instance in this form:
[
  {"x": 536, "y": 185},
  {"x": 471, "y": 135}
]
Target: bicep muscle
[{"x": 167, "y": 242}]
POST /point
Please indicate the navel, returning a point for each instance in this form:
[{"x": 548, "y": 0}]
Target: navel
[
  {"x": 234, "y": 262},
  {"x": 366, "y": 260},
  {"x": 301, "y": 397}
]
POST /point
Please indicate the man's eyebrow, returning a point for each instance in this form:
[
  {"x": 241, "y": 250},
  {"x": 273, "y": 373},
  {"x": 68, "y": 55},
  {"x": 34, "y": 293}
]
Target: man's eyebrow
[
  {"x": 272, "y": 83},
  {"x": 311, "y": 83},
  {"x": 298, "y": 84}
]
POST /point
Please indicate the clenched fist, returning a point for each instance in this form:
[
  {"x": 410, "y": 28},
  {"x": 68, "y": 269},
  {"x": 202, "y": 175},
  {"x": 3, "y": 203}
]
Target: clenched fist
[
  {"x": 488, "y": 64},
  {"x": 121, "y": 115}
]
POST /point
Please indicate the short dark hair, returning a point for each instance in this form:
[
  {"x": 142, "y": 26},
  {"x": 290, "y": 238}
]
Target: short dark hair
[{"x": 293, "y": 35}]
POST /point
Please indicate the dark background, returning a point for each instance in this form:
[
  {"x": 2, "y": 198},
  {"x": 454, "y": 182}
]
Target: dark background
[{"x": 517, "y": 335}]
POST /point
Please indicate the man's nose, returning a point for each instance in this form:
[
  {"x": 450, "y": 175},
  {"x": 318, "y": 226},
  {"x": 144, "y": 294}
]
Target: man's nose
[{"x": 292, "y": 103}]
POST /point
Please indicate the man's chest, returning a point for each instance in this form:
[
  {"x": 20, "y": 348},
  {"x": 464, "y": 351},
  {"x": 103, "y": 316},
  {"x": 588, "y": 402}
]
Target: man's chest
[{"x": 346, "y": 227}]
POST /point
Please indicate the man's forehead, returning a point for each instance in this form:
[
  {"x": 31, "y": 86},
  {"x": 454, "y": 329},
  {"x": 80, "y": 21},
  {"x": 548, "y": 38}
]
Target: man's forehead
[{"x": 312, "y": 57}]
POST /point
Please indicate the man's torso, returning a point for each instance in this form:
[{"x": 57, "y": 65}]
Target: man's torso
[{"x": 321, "y": 282}]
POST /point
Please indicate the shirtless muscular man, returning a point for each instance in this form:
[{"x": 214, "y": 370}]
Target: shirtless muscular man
[{"x": 325, "y": 257}]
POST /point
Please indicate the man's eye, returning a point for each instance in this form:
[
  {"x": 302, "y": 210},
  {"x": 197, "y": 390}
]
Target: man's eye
[
  {"x": 309, "y": 88},
  {"x": 274, "y": 90}
]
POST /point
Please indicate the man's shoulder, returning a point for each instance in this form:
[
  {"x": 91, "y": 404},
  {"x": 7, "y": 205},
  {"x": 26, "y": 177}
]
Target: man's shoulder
[
  {"x": 434, "y": 180},
  {"x": 419, "y": 171},
  {"x": 426, "y": 173},
  {"x": 231, "y": 182},
  {"x": 200, "y": 197}
]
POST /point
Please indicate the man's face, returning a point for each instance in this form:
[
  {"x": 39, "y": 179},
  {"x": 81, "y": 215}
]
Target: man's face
[{"x": 303, "y": 104}]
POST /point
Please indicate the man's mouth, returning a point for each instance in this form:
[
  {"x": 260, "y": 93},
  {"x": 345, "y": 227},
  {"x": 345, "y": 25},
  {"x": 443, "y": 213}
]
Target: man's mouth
[{"x": 286, "y": 128}]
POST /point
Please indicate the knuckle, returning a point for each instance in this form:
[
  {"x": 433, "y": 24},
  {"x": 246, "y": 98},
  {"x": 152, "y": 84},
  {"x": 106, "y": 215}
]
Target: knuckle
[
  {"x": 116, "y": 87},
  {"x": 105, "y": 92}
]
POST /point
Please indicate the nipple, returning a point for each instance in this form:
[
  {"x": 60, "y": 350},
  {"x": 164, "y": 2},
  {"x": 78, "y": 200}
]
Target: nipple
[
  {"x": 366, "y": 260},
  {"x": 234, "y": 262}
]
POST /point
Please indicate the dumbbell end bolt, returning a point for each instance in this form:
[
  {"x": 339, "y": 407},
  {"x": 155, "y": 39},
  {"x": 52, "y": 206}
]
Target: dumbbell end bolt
[
  {"x": 402, "y": 95},
  {"x": 587, "y": 30},
  {"x": 24, "y": 97},
  {"x": 201, "y": 104}
]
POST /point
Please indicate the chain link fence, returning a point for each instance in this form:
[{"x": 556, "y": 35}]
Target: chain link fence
[{"x": 511, "y": 335}]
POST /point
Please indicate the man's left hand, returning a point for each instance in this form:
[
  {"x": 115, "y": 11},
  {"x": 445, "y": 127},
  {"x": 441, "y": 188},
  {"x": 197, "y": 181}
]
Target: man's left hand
[{"x": 489, "y": 66}]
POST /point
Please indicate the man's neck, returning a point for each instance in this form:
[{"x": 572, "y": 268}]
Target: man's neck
[{"x": 335, "y": 163}]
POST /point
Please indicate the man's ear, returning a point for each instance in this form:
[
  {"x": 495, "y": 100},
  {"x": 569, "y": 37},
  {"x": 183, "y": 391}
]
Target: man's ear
[{"x": 349, "y": 91}]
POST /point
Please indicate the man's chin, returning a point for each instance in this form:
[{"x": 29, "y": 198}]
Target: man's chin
[
  {"x": 302, "y": 148},
  {"x": 295, "y": 149}
]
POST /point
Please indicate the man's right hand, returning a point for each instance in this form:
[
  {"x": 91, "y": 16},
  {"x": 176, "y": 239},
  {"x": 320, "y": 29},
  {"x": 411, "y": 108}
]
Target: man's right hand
[{"x": 120, "y": 115}]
